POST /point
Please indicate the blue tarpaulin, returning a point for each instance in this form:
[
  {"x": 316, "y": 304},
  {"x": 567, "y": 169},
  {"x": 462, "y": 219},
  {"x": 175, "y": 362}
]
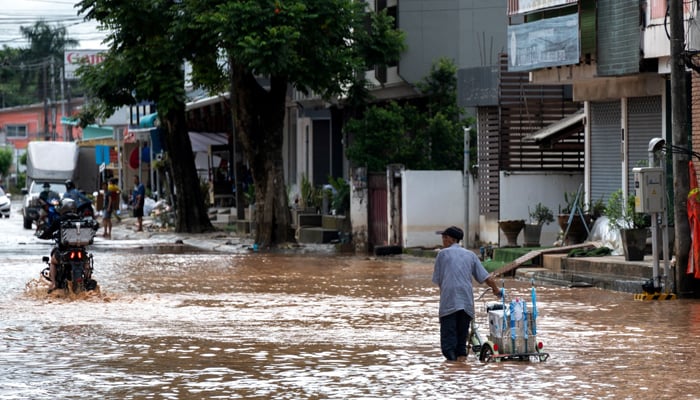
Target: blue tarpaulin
[{"x": 102, "y": 154}]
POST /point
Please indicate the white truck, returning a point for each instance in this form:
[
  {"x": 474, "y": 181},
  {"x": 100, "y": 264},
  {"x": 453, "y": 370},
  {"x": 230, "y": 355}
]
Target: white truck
[{"x": 47, "y": 162}]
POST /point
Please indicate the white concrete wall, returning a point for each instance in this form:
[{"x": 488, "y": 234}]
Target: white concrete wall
[
  {"x": 431, "y": 201},
  {"x": 518, "y": 191}
]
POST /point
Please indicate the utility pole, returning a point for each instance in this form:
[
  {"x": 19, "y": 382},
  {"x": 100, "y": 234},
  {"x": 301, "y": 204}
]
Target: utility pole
[
  {"x": 46, "y": 100},
  {"x": 61, "y": 75},
  {"x": 53, "y": 98},
  {"x": 679, "y": 131}
]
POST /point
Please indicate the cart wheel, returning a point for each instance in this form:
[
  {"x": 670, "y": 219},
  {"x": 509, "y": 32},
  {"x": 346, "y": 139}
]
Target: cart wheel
[
  {"x": 542, "y": 356},
  {"x": 486, "y": 353}
]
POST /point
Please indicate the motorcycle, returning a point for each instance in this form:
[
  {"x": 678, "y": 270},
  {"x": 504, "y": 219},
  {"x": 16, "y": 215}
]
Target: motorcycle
[
  {"x": 72, "y": 233},
  {"x": 52, "y": 210}
]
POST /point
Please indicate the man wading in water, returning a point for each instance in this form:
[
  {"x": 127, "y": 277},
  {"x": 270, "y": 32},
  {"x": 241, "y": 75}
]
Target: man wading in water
[{"x": 454, "y": 269}]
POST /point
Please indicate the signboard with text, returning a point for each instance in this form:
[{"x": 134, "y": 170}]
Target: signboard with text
[
  {"x": 550, "y": 42},
  {"x": 73, "y": 59}
]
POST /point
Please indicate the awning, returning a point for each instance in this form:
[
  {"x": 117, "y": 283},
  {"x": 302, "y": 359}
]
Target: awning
[
  {"x": 70, "y": 121},
  {"x": 97, "y": 132},
  {"x": 148, "y": 121},
  {"x": 202, "y": 140},
  {"x": 561, "y": 129}
]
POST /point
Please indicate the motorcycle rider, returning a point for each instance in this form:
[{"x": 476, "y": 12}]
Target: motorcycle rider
[
  {"x": 45, "y": 198},
  {"x": 81, "y": 201},
  {"x": 47, "y": 194}
]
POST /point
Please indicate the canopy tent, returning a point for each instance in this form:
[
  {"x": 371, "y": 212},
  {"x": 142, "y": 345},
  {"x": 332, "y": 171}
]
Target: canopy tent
[
  {"x": 201, "y": 144},
  {"x": 202, "y": 140}
]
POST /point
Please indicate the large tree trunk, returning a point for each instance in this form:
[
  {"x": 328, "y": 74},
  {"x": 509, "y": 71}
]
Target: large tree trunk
[
  {"x": 191, "y": 214},
  {"x": 259, "y": 125}
]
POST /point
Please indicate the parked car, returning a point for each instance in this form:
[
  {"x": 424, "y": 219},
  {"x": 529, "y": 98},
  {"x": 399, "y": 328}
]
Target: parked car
[{"x": 4, "y": 204}]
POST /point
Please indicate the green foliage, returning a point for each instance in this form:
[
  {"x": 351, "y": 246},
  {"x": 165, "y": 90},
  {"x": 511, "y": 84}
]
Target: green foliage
[
  {"x": 341, "y": 197},
  {"x": 597, "y": 209},
  {"x": 380, "y": 137},
  {"x": 316, "y": 45},
  {"x": 430, "y": 138},
  {"x": 541, "y": 214},
  {"x": 570, "y": 200},
  {"x": 440, "y": 87},
  {"x": 204, "y": 189},
  {"x": 250, "y": 194},
  {"x": 23, "y": 71},
  {"x": 312, "y": 45},
  {"x": 5, "y": 161},
  {"x": 22, "y": 180},
  {"x": 308, "y": 193},
  {"x": 622, "y": 215},
  {"x": 144, "y": 61}
]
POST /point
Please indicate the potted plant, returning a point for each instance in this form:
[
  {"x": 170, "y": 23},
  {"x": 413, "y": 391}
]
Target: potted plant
[
  {"x": 574, "y": 226},
  {"x": 539, "y": 216},
  {"x": 249, "y": 195},
  {"x": 340, "y": 202},
  {"x": 511, "y": 228},
  {"x": 632, "y": 225}
]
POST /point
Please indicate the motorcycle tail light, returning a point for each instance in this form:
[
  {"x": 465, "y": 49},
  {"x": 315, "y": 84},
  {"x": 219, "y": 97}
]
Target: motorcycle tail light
[
  {"x": 540, "y": 345},
  {"x": 495, "y": 347}
]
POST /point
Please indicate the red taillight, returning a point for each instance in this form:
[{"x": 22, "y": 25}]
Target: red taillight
[
  {"x": 495, "y": 347},
  {"x": 540, "y": 345},
  {"x": 76, "y": 254},
  {"x": 72, "y": 255}
]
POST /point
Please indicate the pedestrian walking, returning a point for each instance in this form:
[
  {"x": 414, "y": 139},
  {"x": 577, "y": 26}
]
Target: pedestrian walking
[
  {"x": 107, "y": 209},
  {"x": 137, "y": 200},
  {"x": 454, "y": 269},
  {"x": 116, "y": 198}
]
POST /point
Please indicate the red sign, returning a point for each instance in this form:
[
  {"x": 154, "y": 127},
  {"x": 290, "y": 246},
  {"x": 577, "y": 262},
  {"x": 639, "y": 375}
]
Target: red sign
[{"x": 73, "y": 59}]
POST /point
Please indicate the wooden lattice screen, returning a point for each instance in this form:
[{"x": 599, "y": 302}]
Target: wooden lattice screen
[
  {"x": 488, "y": 128},
  {"x": 526, "y": 108},
  {"x": 523, "y": 109}
]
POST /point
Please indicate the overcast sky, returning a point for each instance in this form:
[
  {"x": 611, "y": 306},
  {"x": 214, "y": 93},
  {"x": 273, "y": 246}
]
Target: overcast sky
[{"x": 16, "y": 13}]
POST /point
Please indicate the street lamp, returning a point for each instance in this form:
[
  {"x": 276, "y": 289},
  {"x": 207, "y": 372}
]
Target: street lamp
[{"x": 466, "y": 185}]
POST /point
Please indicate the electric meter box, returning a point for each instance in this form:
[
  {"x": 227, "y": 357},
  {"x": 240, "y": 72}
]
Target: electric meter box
[{"x": 649, "y": 189}]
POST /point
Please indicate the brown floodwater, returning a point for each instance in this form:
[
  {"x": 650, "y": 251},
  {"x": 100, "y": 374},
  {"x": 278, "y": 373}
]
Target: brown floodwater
[{"x": 273, "y": 326}]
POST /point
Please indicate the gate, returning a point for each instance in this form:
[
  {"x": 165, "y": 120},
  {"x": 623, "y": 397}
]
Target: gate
[{"x": 378, "y": 224}]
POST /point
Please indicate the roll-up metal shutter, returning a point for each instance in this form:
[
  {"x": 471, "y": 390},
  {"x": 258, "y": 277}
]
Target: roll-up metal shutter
[
  {"x": 644, "y": 123},
  {"x": 606, "y": 138}
]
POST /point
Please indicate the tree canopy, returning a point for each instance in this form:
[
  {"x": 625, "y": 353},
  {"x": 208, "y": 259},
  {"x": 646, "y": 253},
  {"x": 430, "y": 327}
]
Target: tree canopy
[
  {"x": 428, "y": 137},
  {"x": 257, "y": 50},
  {"x": 147, "y": 46},
  {"x": 5, "y": 161},
  {"x": 25, "y": 73}
]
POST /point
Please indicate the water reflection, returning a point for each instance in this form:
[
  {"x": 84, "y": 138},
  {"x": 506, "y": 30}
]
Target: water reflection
[{"x": 193, "y": 326}]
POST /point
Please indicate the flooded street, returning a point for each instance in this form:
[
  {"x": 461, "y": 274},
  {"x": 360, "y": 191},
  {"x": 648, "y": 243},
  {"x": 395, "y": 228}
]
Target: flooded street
[{"x": 181, "y": 325}]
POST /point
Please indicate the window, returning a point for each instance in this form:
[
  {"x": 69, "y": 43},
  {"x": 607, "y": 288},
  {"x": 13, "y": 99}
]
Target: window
[{"x": 16, "y": 131}]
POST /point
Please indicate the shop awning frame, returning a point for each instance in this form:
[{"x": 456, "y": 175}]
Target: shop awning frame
[{"x": 559, "y": 130}]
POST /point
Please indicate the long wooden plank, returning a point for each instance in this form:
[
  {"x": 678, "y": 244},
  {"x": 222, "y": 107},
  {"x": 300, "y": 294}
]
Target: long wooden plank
[{"x": 513, "y": 265}]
